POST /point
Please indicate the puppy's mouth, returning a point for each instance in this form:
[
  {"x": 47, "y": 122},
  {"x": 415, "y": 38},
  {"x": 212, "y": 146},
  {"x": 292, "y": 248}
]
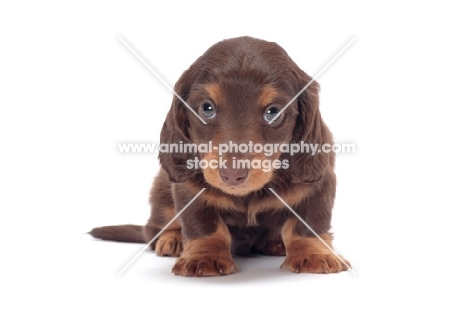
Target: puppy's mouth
[
  {"x": 240, "y": 183},
  {"x": 236, "y": 180}
]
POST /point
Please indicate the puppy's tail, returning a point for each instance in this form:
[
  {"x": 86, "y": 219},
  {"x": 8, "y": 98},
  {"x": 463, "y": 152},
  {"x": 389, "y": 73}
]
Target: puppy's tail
[{"x": 122, "y": 233}]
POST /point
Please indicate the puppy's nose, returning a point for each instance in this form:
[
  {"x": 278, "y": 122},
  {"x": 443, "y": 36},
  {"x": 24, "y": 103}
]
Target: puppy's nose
[{"x": 233, "y": 176}]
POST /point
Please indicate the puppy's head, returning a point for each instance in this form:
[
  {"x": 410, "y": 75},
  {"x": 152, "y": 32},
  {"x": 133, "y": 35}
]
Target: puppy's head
[{"x": 237, "y": 87}]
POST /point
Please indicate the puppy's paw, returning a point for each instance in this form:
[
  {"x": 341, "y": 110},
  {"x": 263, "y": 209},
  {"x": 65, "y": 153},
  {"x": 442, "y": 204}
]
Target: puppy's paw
[
  {"x": 273, "y": 248},
  {"x": 314, "y": 263},
  {"x": 169, "y": 244},
  {"x": 203, "y": 265}
]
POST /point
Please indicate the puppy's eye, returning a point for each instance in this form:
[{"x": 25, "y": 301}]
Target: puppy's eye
[
  {"x": 208, "y": 110},
  {"x": 271, "y": 113}
]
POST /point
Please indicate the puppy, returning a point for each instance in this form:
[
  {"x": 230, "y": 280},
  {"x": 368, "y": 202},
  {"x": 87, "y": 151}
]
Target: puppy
[{"x": 236, "y": 91}]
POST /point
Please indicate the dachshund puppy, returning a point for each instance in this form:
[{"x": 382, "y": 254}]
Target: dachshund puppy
[{"x": 238, "y": 88}]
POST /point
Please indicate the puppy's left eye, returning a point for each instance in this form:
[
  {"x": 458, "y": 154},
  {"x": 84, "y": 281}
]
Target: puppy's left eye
[
  {"x": 208, "y": 110},
  {"x": 270, "y": 113}
]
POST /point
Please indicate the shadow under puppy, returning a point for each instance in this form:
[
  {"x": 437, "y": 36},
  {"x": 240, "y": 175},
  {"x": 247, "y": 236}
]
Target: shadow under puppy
[{"x": 237, "y": 87}]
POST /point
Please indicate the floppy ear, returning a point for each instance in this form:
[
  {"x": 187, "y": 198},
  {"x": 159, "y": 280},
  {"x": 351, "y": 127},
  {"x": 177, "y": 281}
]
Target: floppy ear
[
  {"x": 176, "y": 130},
  {"x": 310, "y": 129}
]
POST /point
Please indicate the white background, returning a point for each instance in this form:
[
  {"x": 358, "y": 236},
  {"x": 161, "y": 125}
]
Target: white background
[{"x": 70, "y": 92}]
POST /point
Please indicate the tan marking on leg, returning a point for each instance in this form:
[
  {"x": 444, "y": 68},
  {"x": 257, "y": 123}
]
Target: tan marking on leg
[
  {"x": 208, "y": 256},
  {"x": 308, "y": 254},
  {"x": 169, "y": 243}
]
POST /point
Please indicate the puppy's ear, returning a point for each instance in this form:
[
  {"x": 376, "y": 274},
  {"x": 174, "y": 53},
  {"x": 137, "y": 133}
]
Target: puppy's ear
[
  {"x": 310, "y": 129},
  {"x": 176, "y": 130}
]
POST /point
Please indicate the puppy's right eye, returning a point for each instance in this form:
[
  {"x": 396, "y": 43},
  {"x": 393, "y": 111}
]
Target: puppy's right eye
[{"x": 208, "y": 110}]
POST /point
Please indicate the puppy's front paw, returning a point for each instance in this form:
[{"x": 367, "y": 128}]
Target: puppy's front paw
[
  {"x": 204, "y": 265},
  {"x": 314, "y": 263},
  {"x": 310, "y": 254},
  {"x": 169, "y": 244}
]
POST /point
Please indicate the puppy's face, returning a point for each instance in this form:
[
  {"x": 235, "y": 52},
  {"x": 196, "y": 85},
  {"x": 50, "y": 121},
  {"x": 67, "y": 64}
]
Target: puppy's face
[
  {"x": 238, "y": 86},
  {"x": 237, "y": 114}
]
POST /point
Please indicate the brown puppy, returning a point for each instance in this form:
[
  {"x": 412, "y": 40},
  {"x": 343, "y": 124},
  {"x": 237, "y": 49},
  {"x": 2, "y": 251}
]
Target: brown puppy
[{"x": 237, "y": 87}]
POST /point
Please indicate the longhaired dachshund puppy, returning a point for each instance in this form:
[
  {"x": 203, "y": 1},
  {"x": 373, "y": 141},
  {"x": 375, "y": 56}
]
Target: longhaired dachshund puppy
[{"x": 236, "y": 91}]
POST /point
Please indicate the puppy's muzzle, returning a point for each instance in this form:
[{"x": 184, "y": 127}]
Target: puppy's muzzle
[{"x": 233, "y": 176}]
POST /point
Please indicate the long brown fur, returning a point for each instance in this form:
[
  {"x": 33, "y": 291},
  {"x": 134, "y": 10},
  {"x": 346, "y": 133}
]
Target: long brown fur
[
  {"x": 122, "y": 233},
  {"x": 241, "y": 78}
]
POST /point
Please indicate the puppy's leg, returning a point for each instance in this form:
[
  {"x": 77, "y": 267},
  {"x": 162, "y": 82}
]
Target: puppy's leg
[
  {"x": 308, "y": 254},
  {"x": 206, "y": 241},
  {"x": 304, "y": 251},
  {"x": 270, "y": 243},
  {"x": 169, "y": 242},
  {"x": 207, "y": 256}
]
